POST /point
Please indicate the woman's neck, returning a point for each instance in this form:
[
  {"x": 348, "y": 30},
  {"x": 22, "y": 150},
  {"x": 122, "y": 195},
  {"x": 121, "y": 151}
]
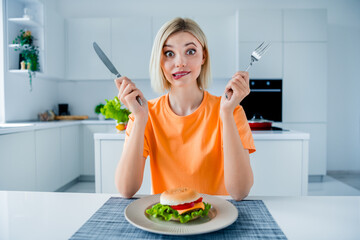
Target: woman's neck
[{"x": 184, "y": 101}]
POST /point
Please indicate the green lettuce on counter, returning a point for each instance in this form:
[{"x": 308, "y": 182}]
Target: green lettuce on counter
[{"x": 165, "y": 212}]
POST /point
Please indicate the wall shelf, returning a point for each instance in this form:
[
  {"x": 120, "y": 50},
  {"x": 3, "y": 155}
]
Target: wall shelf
[
  {"x": 25, "y": 22},
  {"x": 17, "y": 19}
]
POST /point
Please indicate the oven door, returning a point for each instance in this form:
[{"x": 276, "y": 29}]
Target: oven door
[{"x": 265, "y": 101}]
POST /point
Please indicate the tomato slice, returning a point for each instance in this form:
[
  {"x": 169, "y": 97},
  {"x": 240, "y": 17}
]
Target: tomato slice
[{"x": 186, "y": 205}]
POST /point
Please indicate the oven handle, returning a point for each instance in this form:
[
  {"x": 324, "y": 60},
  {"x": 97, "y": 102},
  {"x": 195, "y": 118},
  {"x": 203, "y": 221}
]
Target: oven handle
[{"x": 265, "y": 90}]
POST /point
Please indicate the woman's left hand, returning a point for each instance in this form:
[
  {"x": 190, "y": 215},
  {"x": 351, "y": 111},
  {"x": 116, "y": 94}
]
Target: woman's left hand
[{"x": 236, "y": 89}]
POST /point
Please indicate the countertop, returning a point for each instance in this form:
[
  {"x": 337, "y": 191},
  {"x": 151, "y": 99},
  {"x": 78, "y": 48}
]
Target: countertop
[
  {"x": 7, "y": 128},
  {"x": 257, "y": 135},
  {"x": 45, "y": 215}
]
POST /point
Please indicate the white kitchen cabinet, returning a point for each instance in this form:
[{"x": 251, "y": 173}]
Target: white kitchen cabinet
[
  {"x": 131, "y": 46},
  {"x": 17, "y": 162},
  {"x": 88, "y": 160},
  {"x": 107, "y": 156},
  {"x": 70, "y": 153},
  {"x": 267, "y": 27},
  {"x": 48, "y": 160},
  {"x": 54, "y": 41},
  {"x": 82, "y": 61},
  {"x": 280, "y": 164},
  {"x": 317, "y": 145},
  {"x": 271, "y": 64},
  {"x": 280, "y": 168},
  {"x": 221, "y": 35},
  {"x": 305, "y": 82},
  {"x": 305, "y": 25}
]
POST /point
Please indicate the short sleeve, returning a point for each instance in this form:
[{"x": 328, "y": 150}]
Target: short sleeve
[
  {"x": 128, "y": 132},
  {"x": 244, "y": 129}
]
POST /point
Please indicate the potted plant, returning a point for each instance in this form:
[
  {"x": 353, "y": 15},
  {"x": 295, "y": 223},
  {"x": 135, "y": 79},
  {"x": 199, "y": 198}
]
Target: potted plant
[
  {"x": 98, "y": 111},
  {"x": 28, "y": 52},
  {"x": 114, "y": 109}
]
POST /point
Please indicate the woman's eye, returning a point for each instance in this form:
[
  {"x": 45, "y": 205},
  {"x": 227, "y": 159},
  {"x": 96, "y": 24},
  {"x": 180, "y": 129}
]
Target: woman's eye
[
  {"x": 169, "y": 54},
  {"x": 191, "y": 52}
]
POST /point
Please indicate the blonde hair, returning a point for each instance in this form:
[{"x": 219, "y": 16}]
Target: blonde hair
[{"x": 158, "y": 80}]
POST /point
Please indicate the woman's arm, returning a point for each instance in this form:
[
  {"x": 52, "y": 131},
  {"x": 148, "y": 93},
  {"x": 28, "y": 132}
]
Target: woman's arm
[
  {"x": 130, "y": 169},
  {"x": 237, "y": 169}
]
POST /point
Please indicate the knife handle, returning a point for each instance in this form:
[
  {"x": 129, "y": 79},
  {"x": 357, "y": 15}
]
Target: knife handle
[{"x": 137, "y": 97}]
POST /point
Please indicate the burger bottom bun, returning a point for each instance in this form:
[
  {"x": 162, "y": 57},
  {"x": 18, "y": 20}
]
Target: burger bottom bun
[{"x": 178, "y": 196}]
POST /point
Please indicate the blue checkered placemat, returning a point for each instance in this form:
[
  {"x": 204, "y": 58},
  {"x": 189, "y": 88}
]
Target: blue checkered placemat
[{"x": 254, "y": 222}]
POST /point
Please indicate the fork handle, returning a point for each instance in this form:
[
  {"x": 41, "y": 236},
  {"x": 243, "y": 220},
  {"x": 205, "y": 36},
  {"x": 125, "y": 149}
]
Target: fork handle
[{"x": 226, "y": 94}]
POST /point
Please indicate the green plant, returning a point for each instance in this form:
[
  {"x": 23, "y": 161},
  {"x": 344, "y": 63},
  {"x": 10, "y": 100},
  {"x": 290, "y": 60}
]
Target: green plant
[
  {"x": 25, "y": 37},
  {"x": 98, "y": 108},
  {"x": 28, "y": 51},
  {"x": 114, "y": 109}
]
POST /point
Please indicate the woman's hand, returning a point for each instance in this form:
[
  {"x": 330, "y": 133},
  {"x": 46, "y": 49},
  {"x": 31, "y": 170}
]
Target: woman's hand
[
  {"x": 127, "y": 95},
  {"x": 236, "y": 89}
]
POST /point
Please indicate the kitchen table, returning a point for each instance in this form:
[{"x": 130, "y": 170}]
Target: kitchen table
[{"x": 50, "y": 215}]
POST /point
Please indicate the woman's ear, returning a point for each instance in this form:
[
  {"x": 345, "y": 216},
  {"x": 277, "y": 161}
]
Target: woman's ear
[{"x": 204, "y": 58}]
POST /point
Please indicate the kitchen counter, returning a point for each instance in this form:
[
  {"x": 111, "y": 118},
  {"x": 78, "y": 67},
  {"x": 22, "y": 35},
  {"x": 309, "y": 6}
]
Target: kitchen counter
[
  {"x": 257, "y": 135},
  {"x": 7, "y": 128},
  {"x": 44, "y": 215}
]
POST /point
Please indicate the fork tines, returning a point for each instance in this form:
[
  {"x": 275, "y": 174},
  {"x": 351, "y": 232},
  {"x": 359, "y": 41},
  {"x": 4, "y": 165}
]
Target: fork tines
[{"x": 264, "y": 46}]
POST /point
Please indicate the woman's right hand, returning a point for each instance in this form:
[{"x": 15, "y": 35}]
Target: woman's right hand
[{"x": 127, "y": 95}]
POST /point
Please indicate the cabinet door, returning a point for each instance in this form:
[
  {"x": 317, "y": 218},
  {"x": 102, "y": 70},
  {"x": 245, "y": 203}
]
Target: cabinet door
[
  {"x": 270, "y": 65},
  {"x": 17, "y": 162},
  {"x": 109, "y": 153},
  {"x": 131, "y": 44},
  {"x": 277, "y": 168},
  {"x": 82, "y": 61},
  {"x": 317, "y": 144},
  {"x": 305, "y": 82},
  {"x": 55, "y": 44},
  {"x": 267, "y": 27},
  {"x": 48, "y": 165},
  {"x": 70, "y": 154},
  {"x": 305, "y": 25},
  {"x": 88, "y": 160},
  {"x": 221, "y": 35}
]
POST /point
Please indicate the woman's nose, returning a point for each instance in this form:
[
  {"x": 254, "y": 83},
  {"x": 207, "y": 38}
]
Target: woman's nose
[{"x": 180, "y": 62}]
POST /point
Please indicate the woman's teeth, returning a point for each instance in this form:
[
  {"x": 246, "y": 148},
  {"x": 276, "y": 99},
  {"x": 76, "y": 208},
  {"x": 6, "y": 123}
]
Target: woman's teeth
[{"x": 180, "y": 74}]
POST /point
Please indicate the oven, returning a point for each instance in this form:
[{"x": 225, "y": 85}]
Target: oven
[{"x": 265, "y": 99}]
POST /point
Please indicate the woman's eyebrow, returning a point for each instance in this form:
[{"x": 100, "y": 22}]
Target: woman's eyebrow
[{"x": 187, "y": 44}]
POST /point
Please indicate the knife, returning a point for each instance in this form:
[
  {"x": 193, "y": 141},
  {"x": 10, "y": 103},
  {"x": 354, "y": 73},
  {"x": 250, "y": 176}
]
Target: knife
[{"x": 110, "y": 66}]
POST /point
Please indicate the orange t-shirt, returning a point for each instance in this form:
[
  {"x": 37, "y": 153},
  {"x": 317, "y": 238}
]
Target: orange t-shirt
[{"x": 187, "y": 150}]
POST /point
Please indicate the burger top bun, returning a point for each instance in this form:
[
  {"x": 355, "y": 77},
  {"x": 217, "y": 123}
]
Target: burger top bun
[{"x": 178, "y": 196}]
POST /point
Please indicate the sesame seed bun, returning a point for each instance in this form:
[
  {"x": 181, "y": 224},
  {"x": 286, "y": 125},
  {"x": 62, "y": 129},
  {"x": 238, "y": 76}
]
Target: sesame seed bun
[{"x": 178, "y": 196}]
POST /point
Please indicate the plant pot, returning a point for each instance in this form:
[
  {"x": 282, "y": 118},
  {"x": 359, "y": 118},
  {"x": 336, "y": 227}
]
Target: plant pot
[
  {"x": 101, "y": 117},
  {"x": 121, "y": 127}
]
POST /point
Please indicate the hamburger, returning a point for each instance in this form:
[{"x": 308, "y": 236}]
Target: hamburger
[{"x": 180, "y": 204}]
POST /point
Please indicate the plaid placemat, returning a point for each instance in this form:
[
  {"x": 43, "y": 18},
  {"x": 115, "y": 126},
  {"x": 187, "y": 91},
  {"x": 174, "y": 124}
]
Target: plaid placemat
[{"x": 254, "y": 222}]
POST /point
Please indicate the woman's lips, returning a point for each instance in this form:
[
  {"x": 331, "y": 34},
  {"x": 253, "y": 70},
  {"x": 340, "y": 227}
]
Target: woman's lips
[{"x": 179, "y": 75}]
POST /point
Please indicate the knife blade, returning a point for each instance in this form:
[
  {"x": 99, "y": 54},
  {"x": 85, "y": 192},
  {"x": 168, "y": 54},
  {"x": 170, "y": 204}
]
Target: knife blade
[{"x": 109, "y": 65}]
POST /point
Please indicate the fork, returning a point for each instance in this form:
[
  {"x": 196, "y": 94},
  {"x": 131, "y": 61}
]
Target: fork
[{"x": 255, "y": 56}]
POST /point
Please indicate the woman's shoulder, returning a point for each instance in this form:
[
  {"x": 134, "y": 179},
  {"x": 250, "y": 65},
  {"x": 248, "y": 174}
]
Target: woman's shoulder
[
  {"x": 156, "y": 103},
  {"x": 212, "y": 99}
]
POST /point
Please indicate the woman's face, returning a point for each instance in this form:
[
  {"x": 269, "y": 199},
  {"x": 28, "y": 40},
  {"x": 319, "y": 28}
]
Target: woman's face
[{"x": 181, "y": 59}]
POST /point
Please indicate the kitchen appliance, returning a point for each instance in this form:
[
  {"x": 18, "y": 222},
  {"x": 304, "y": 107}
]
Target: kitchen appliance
[
  {"x": 265, "y": 100},
  {"x": 63, "y": 109},
  {"x": 109, "y": 65}
]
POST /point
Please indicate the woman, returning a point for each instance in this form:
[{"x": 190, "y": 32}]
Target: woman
[{"x": 194, "y": 139}]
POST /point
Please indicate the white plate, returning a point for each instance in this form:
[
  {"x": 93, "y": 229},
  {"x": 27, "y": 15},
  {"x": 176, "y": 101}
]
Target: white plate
[{"x": 221, "y": 215}]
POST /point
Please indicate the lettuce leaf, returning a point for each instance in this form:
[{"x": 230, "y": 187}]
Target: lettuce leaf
[{"x": 165, "y": 212}]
